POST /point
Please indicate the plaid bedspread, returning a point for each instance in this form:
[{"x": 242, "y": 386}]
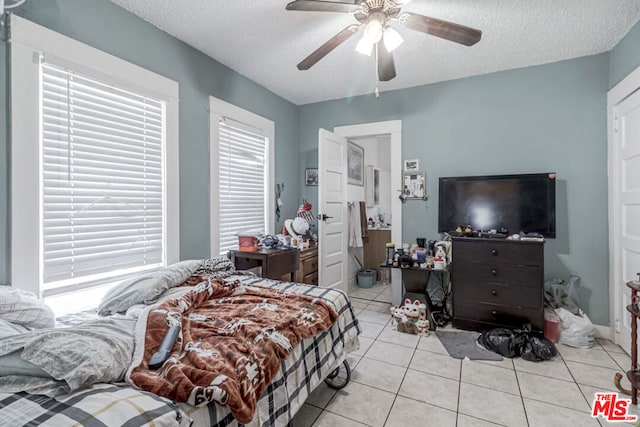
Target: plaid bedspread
[
  {"x": 107, "y": 405},
  {"x": 100, "y": 405}
]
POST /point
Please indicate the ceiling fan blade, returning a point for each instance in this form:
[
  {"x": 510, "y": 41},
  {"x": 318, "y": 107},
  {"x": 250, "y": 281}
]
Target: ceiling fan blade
[
  {"x": 322, "y": 6},
  {"x": 443, "y": 29},
  {"x": 327, "y": 47},
  {"x": 386, "y": 65}
]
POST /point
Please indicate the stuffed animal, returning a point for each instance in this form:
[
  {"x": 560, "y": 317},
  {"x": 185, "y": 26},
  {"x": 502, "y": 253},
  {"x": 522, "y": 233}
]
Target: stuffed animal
[
  {"x": 423, "y": 326},
  {"x": 405, "y": 261},
  {"x": 440, "y": 253},
  {"x": 397, "y": 315},
  {"x": 414, "y": 310}
]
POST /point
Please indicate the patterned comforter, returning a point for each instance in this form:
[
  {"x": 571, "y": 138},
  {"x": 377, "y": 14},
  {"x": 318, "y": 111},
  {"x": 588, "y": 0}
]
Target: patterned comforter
[
  {"x": 308, "y": 363},
  {"x": 232, "y": 341}
]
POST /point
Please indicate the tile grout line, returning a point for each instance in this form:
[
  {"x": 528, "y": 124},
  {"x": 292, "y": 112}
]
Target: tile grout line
[
  {"x": 338, "y": 391},
  {"x": 315, "y": 419},
  {"x": 345, "y": 417},
  {"x": 375, "y": 305},
  {"x": 524, "y": 407},
  {"x": 403, "y": 378},
  {"x": 576, "y": 382}
]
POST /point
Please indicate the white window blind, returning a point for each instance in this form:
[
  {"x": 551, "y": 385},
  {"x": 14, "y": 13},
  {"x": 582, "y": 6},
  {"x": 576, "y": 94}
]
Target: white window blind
[
  {"x": 243, "y": 171},
  {"x": 102, "y": 179}
]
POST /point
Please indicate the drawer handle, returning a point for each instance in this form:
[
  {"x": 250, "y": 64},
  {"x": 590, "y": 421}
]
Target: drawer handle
[
  {"x": 494, "y": 271},
  {"x": 494, "y": 313},
  {"x": 494, "y": 293},
  {"x": 494, "y": 252}
]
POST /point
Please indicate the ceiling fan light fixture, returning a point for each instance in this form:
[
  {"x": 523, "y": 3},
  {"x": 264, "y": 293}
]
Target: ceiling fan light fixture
[
  {"x": 392, "y": 39},
  {"x": 374, "y": 28},
  {"x": 364, "y": 46}
]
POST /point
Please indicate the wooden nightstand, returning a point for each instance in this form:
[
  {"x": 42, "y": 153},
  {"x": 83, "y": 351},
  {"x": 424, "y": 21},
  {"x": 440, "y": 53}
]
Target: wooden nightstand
[
  {"x": 308, "y": 270},
  {"x": 275, "y": 263}
]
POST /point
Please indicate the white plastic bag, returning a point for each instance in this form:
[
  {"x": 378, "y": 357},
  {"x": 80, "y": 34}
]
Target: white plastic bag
[
  {"x": 576, "y": 330},
  {"x": 562, "y": 293}
]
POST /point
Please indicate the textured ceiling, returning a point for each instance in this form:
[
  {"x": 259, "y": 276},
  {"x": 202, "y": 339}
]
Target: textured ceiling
[{"x": 262, "y": 41}]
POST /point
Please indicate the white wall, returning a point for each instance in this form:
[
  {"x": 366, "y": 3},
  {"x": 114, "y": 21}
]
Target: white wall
[{"x": 376, "y": 154}]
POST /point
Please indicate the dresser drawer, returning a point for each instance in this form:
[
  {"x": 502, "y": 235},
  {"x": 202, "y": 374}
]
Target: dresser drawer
[
  {"x": 311, "y": 279},
  {"x": 308, "y": 268},
  {"x": 512, "y": 316},
  {"x": 494, "y": 272},
  {"x": 309, "y": 265},
  {"x": 498, "y": 251},
  {"x": 497, "y": 293}
]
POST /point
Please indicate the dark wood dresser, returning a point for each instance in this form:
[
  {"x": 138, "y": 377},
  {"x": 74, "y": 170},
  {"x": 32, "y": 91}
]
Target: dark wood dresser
[{"x": 497, "y": 283}]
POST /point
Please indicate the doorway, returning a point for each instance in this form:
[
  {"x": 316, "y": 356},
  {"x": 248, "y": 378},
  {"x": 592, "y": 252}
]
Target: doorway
[
  {"x": 623, "y": 102},
  {"x": 385, "y": 140}
]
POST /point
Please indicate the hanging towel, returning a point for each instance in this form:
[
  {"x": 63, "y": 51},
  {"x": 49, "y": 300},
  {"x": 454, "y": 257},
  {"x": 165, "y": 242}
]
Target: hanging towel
[
  {"x": 355, "y": 226},
  {"x": 363, "y": 222}
]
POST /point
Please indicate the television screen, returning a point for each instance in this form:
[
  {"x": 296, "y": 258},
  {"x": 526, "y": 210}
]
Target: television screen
[{"x": 517, "y": 203}]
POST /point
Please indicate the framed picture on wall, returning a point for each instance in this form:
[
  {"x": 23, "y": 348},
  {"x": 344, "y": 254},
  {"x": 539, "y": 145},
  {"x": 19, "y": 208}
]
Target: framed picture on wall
[
  {"x": 414, "y": 185},
  {"x": 411, "y": 165},
  {"x": 311, "y": 176},
  {"x": 355, "y": 164}
]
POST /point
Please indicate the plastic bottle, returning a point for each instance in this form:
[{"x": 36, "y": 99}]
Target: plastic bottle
[{"x": 391, "y": 249}]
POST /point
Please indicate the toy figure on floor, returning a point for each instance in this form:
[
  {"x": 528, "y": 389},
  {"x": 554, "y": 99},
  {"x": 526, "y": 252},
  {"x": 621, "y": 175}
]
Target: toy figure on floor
[{"x": 410, "y": 318}]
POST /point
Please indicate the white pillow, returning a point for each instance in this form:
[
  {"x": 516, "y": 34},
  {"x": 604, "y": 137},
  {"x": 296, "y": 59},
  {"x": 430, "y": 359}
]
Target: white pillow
[
  {"x": 25, "y": 309},
  {"x": 145, "y": 288}
]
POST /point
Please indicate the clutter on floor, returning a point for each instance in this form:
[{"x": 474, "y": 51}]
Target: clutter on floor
[
  {"x": 561, "y": 299},
  {"x": 525, "y": 343},
  {"x": 464, "y": 345}
]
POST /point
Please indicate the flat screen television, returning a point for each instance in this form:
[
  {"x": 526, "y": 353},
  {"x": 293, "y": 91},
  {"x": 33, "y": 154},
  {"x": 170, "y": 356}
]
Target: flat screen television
[{"x": 517, "y": 203}]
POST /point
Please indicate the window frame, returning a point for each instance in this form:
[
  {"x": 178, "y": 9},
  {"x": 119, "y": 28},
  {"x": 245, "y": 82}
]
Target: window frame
[
  {"x": 29, "y": 43},
  {"x": 220, "y": 109}
]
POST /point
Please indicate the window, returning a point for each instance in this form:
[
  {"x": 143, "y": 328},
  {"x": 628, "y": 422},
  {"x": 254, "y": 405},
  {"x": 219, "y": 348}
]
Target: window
[
  {"x": 95, "y": 183},
  {"x": 102, "y": 177},
  {"x": 241, "y": 172}
]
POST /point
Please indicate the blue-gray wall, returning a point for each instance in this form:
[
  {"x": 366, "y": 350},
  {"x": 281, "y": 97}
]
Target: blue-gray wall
[
  {"x": 545, "y": 118},
  {"x": 537, "y": 119},
  {"x": 625, "y": 57},
  {"x": 102, "y": 24}
]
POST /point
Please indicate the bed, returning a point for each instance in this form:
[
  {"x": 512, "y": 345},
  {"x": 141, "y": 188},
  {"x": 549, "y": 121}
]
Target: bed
[{"x": 94, "y": 398}]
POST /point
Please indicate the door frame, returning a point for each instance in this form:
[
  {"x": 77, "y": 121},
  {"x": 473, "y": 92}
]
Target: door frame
[
  {"x": 393, "y": 128},
  {"x": 628, "y": 86}
]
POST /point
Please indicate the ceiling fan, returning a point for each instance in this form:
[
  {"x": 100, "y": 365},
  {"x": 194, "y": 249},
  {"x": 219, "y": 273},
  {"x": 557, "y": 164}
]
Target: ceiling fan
[{"x": 375, "y": 16}]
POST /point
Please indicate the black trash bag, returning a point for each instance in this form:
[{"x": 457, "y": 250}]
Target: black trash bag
[
  {"x": 504, "y": 341},
  {"x": 537, "y": 349}
]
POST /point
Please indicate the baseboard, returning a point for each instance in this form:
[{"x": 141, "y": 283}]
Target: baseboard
[{"x": 602, "y": 331}]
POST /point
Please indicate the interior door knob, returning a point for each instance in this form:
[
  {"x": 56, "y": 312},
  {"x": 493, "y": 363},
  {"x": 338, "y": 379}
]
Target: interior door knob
[
  {"x": 494, "y": 293},
  {"x": 494, "y": 252},
  {"x": 323, "y": 217},
  {"x": 494, "y": 313},
  {"x": 494, "y": 271}
]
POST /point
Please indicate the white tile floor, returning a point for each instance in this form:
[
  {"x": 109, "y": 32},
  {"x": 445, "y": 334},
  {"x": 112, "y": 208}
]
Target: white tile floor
[{"x": 406, "y": 381}]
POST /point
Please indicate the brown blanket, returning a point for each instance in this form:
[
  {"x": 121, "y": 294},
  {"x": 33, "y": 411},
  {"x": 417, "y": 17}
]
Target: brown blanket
[{"x": 231, "y": 343}]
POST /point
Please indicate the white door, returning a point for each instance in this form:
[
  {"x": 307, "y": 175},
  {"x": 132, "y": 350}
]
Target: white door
[
  {"x": 625, "y": 172},
  {"x": 332, "y": 210}
]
